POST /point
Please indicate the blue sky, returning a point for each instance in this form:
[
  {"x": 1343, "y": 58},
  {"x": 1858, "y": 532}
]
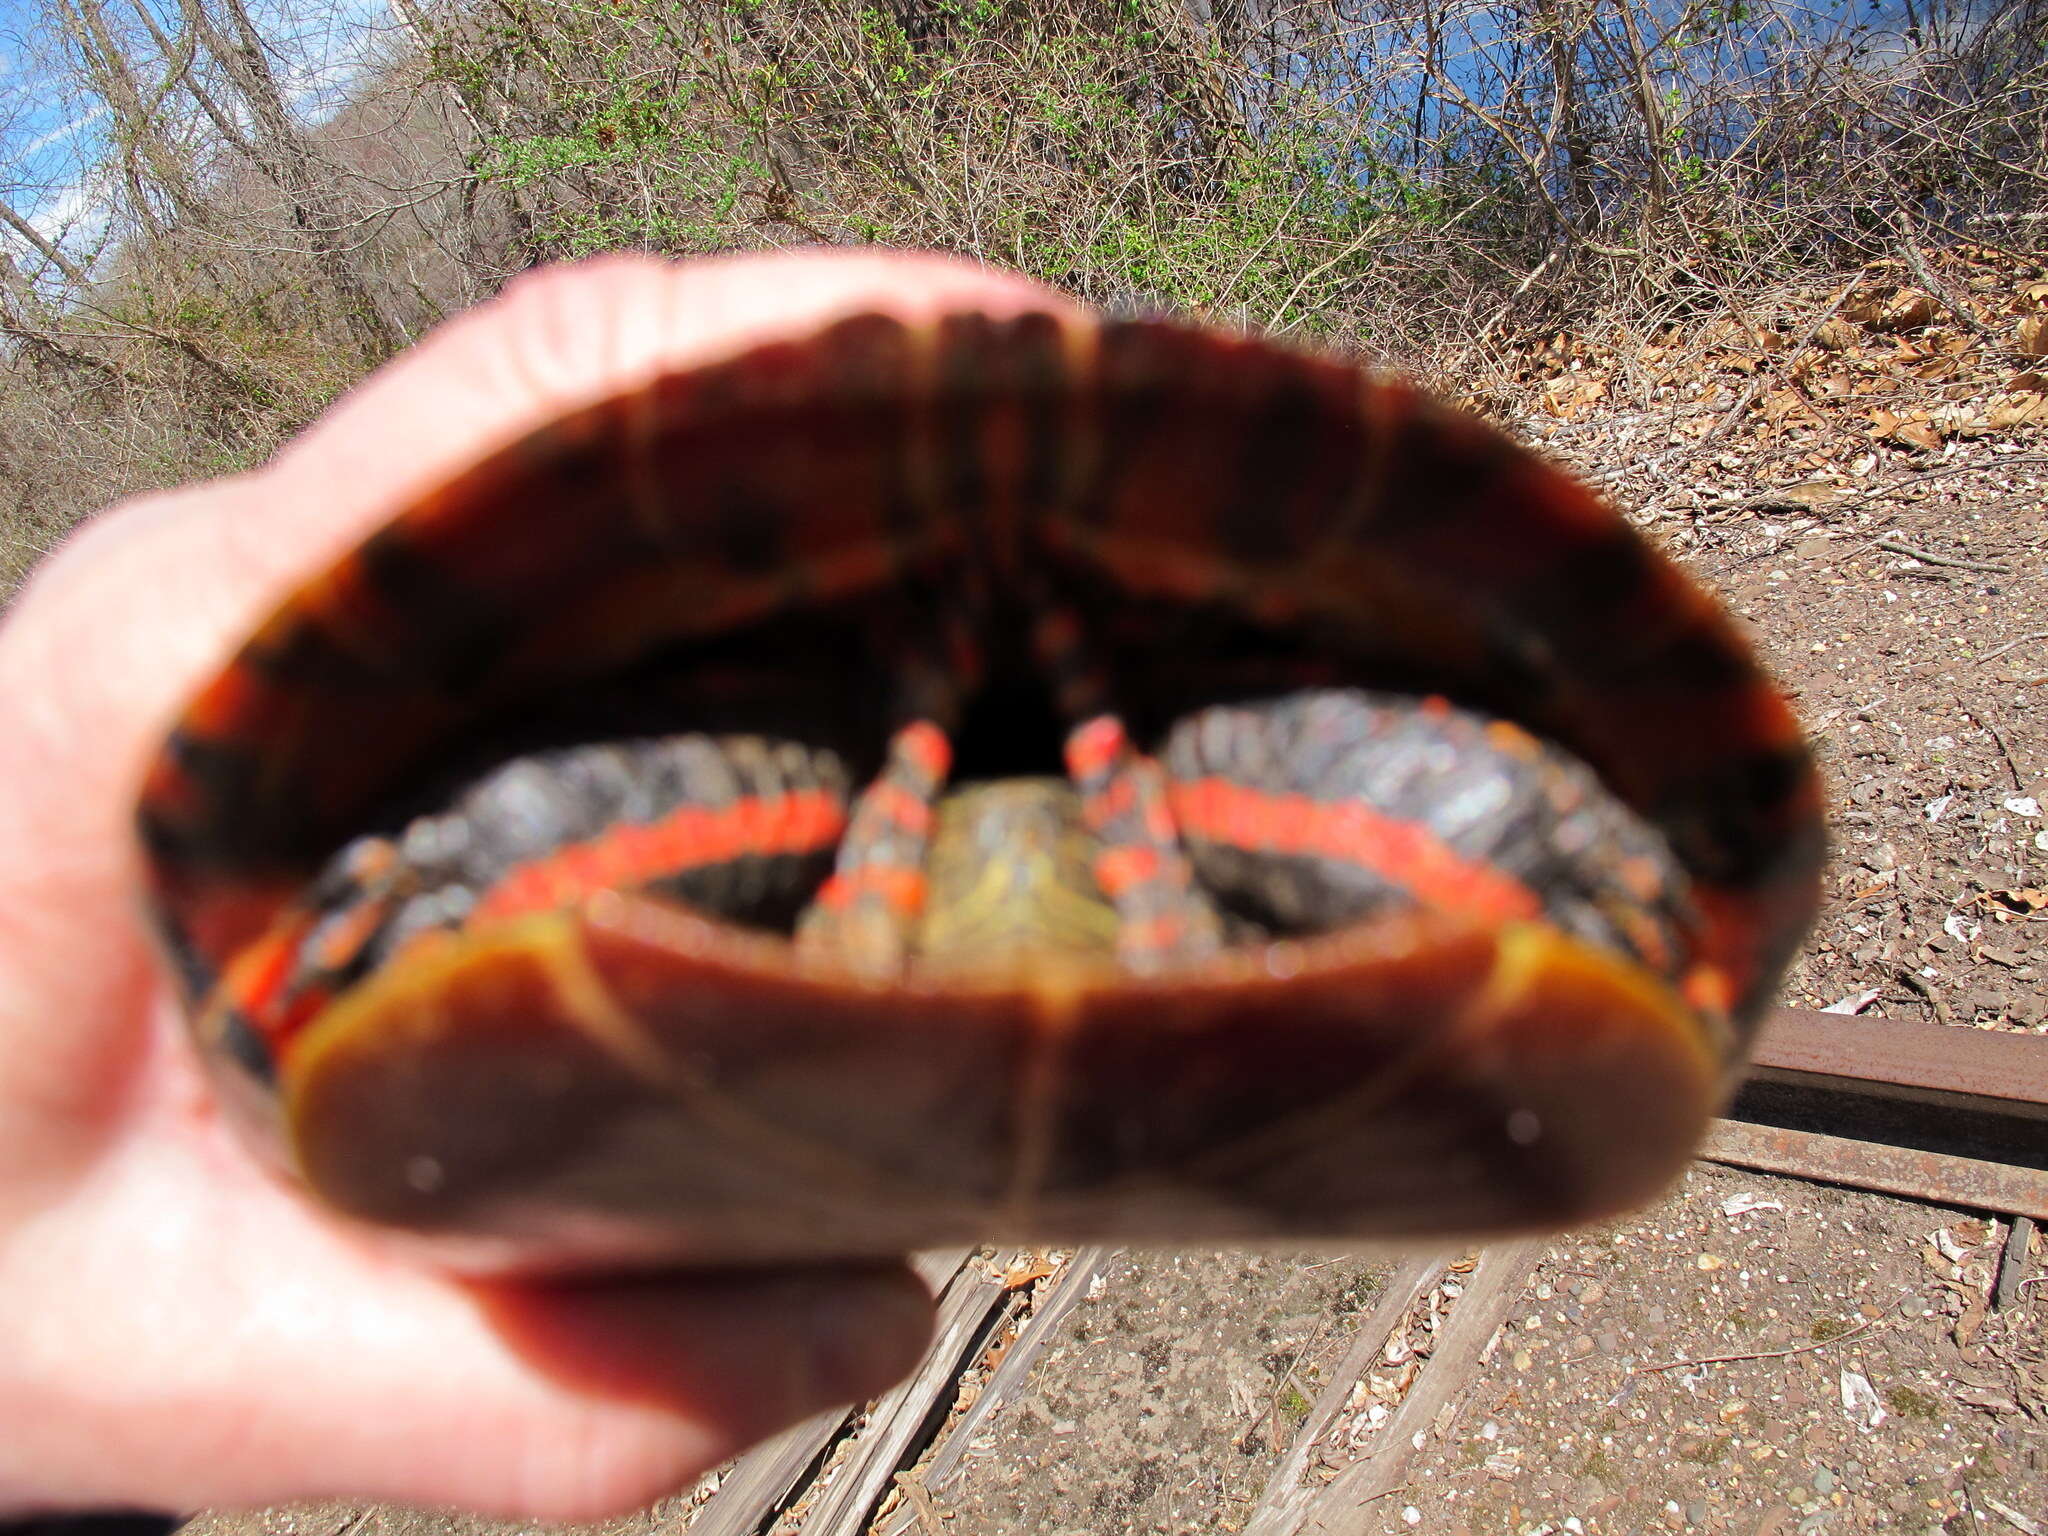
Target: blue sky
[{"x": 50, "y": 141}]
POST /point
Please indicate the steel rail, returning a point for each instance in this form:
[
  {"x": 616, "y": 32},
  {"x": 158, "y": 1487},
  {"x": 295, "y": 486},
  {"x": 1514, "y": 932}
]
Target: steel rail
[{"x": 1931, "y": 1111}]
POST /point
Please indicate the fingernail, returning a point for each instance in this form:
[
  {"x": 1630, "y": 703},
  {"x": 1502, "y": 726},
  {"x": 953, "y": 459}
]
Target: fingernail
[{"x": 865, "y": 1334}]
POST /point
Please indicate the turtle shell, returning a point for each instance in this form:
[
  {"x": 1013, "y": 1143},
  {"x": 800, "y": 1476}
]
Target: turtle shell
[{"x": 625, "y": 1076}]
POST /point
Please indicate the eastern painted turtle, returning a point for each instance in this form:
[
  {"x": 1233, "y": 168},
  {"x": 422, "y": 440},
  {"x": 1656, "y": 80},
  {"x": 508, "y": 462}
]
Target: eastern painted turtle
[{"x": 992, "y": 778}]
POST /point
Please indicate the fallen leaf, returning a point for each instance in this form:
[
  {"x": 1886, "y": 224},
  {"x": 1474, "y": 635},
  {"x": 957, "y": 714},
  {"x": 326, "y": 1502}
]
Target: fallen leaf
[
  {"x": 1859, "y": 1401},
  {"x": 1894, "y": 309},
  {"x": 1917, "y": 434},
  {"x": 1023, "y": 1273},
  {"x": 2031, "y": 335},
  {"x": 1835, "y": 336}
]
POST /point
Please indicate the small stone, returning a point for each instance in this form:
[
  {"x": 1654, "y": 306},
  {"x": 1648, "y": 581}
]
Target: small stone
[
  {"x": 1607, "y": 1341},
  {"x": 1523, "y": 1359},
  {"x": 1696, "y": 1511},
  {"x": 1411, "y": 1516},
  {"x": 1823, "y": 1482},
  {"x": 1709, "y": 1261}
]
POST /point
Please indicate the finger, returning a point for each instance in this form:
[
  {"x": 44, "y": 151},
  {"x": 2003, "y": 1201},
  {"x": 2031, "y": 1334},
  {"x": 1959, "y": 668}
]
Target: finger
[{"x": 205, "y": 1339}]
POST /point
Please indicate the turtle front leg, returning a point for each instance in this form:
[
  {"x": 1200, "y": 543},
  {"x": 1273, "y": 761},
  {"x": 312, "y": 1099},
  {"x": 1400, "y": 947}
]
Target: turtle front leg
[
  {"x": 865, "y": 915},
  {"x": 1324, "y": 808},
  {"x": 1164, "y": 918}
]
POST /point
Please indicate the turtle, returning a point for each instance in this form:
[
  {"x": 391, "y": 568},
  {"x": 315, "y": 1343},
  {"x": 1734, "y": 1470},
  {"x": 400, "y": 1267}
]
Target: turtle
[{"x": 999, "y": 777}]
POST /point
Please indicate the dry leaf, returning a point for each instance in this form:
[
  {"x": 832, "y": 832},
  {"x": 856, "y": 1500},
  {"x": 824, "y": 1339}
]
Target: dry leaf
[
  {"x": 1022, "y": 1274},
  {"x": 1917, "y": 434},
  {"x": 2016, "y": 410},
  {"x": 2031, "y": 335},
  {"x": 2026, "y": 898},
  {"x": 1835, "y": 336},
  {"x": 1893, "y": 309}
]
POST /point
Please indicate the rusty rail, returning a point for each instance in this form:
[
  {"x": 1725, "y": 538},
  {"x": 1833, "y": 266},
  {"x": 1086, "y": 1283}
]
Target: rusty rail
[{"x": 1957, "y": 1116}]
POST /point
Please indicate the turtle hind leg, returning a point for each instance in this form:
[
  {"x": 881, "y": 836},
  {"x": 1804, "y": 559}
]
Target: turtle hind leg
[
  {"x": 866, "y": 914},
  {"x": 1165, "y": 919}
]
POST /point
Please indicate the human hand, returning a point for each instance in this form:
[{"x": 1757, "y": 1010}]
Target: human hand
[{"x": 176, "y": 1329}]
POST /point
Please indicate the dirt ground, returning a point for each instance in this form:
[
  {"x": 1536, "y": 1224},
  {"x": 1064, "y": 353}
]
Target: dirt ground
[
  {"x": 1752, "y": 1356},
  {"x": 1165, "y": 1405},
  {"x": 1870, "y": 498}
]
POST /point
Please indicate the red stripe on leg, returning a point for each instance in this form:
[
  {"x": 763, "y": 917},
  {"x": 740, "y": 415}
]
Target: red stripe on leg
[
  {"x": 1405, "y": 853},
  {"x": 689, "y": 837}
]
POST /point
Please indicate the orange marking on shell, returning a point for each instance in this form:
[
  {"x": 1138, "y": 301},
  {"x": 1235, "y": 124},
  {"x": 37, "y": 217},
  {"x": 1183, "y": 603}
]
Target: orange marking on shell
[{"x": 255, "y": 984}]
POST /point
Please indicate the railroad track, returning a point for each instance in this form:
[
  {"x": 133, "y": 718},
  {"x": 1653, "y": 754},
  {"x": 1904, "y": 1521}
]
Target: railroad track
[{"x": 1931, "y": 1112}]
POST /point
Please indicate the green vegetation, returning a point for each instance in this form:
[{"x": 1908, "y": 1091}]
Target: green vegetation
[
  {"x": 1908, "y": 1404},
  {"x": 1444, "y": 188}
]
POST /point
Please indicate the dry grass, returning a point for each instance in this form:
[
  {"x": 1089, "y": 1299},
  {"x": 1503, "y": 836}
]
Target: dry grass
[{"x": 1463, "y": 191}]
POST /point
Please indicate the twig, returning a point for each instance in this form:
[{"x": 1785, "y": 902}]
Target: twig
[
  {"x": 2013, "y": 1517},
  {"x": 1982, "y": 716},
  {"x": 2013, "y": 645},
  {"x": 1262, "y": 1425},
  {"x": 1919, "y": 983},
  {"x": 1759, "y": 1354},
  {"x": 1764, "y": 378},
  {"x": 1901, "y": 547},
  {"x": 2012, "y": 1263},
  {"x": 1916, "y": 261}
]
